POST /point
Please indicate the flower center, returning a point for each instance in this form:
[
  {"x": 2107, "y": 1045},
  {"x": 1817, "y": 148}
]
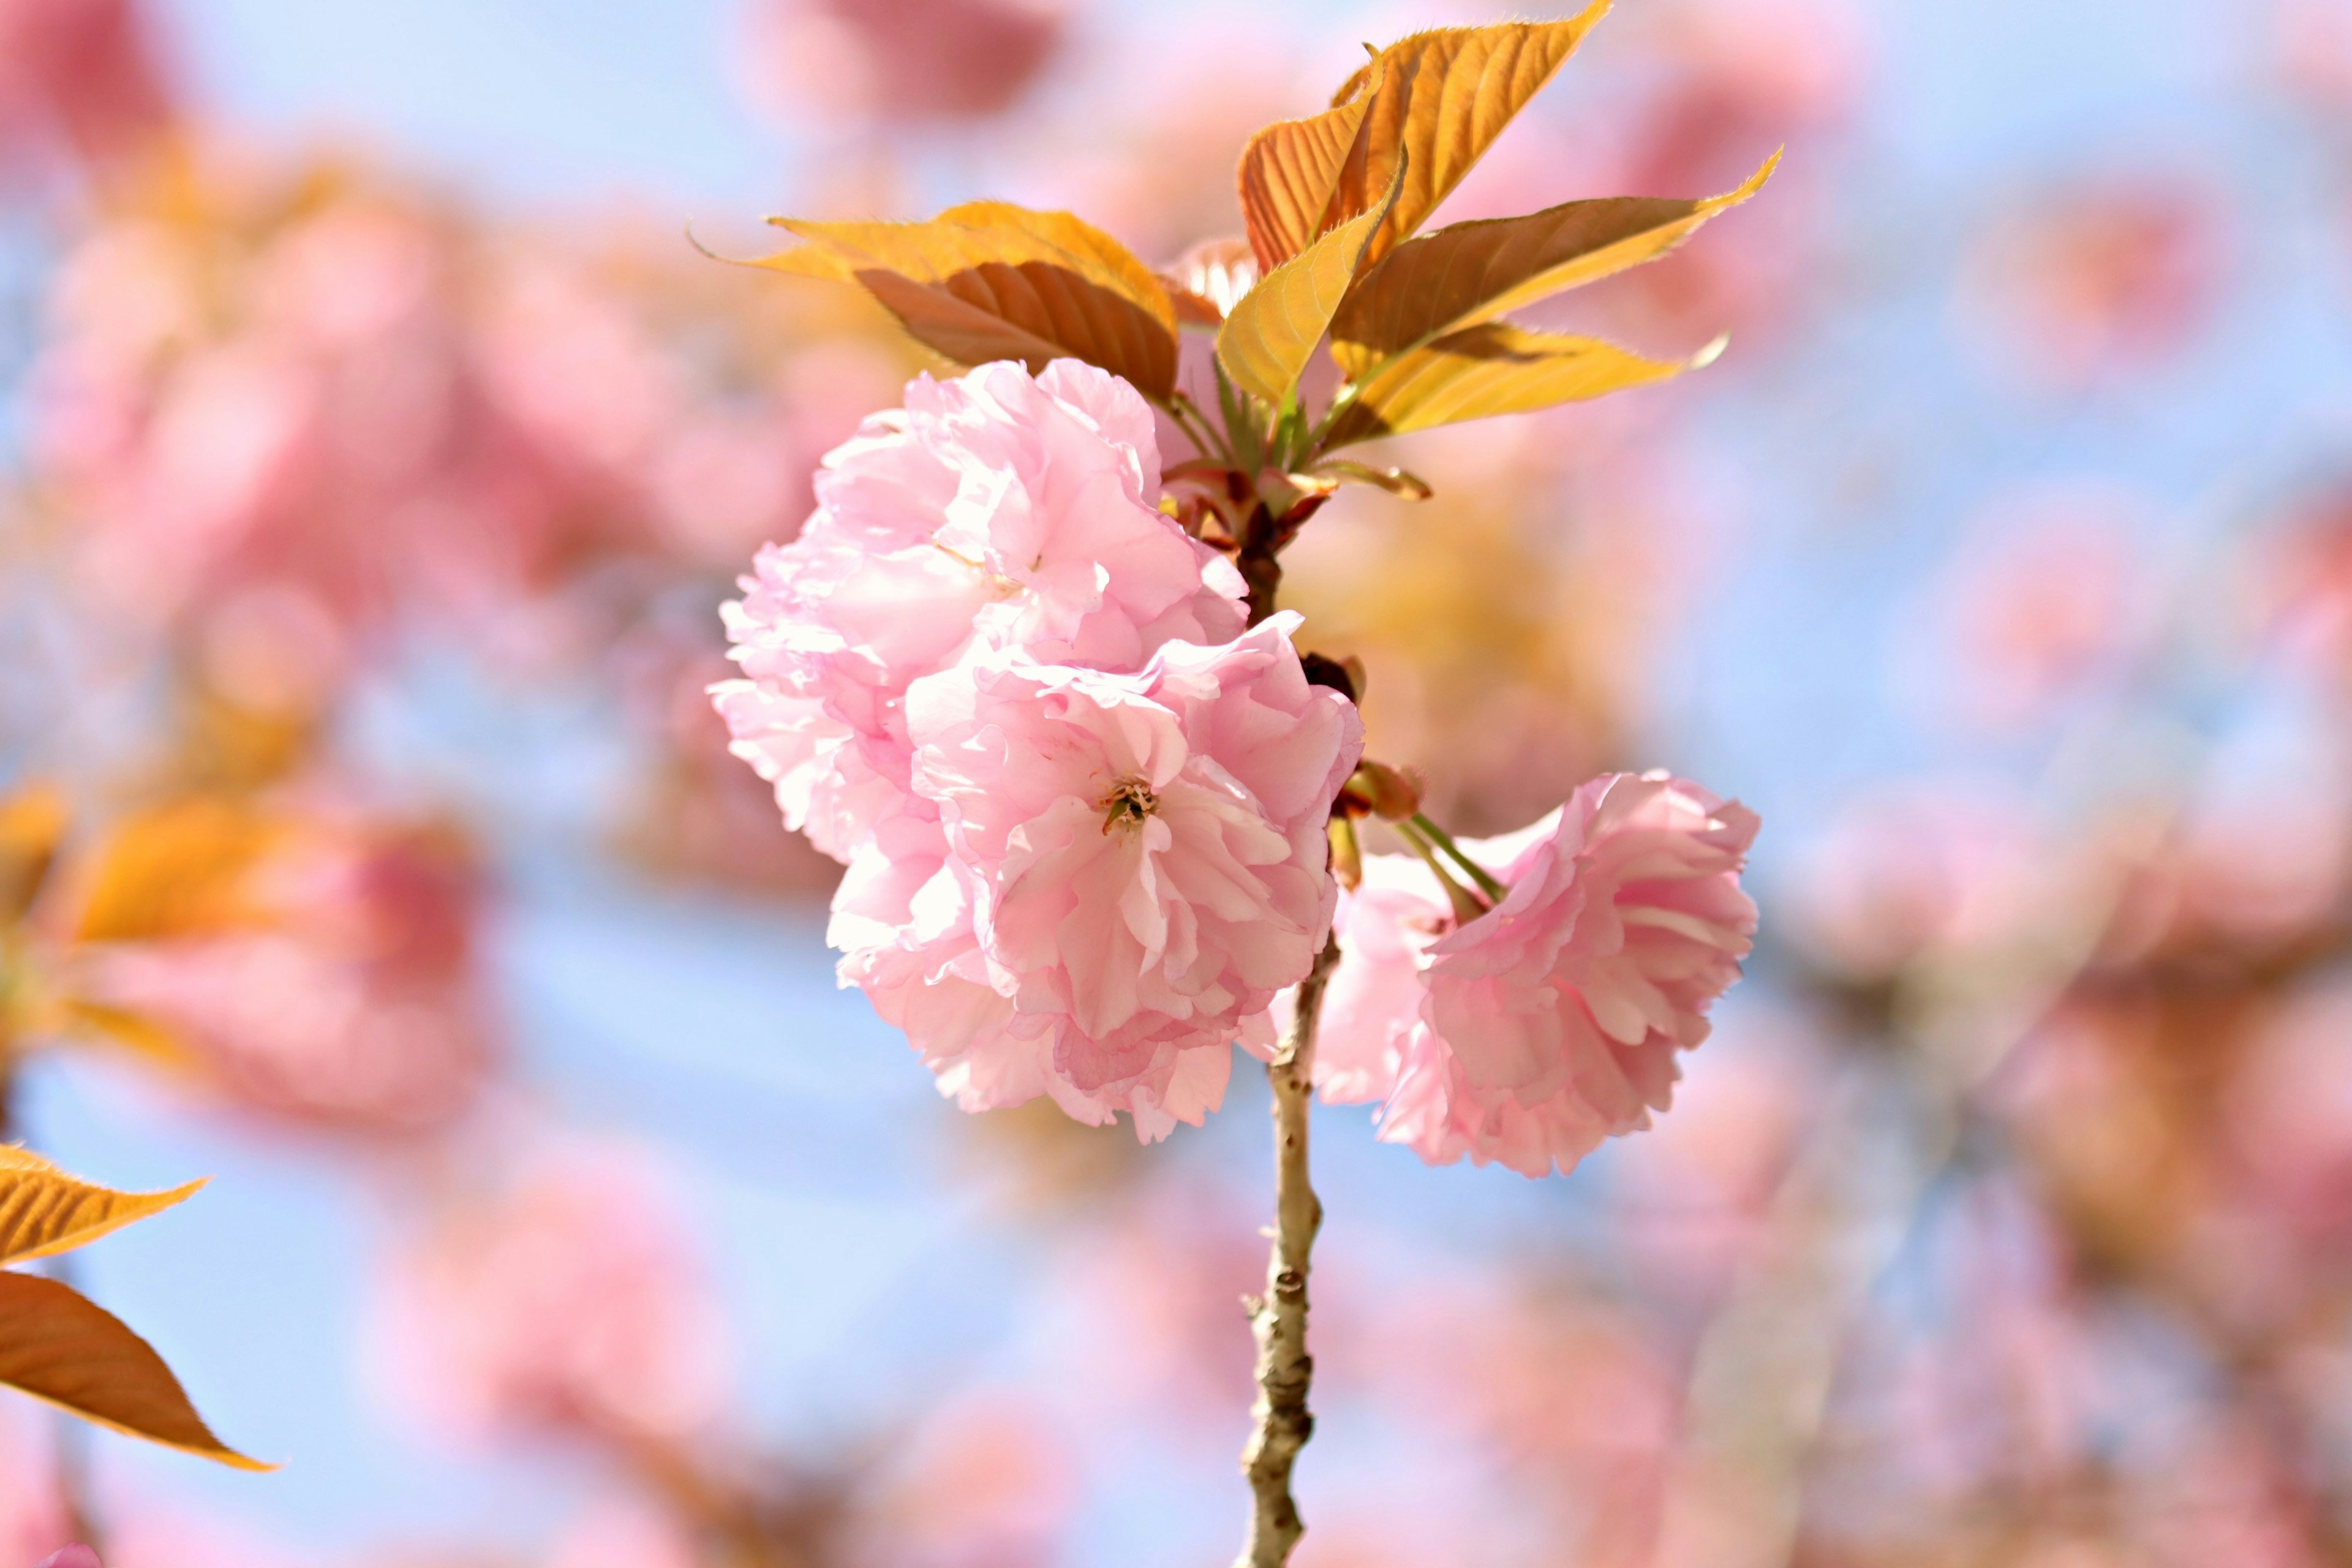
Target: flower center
[{"x": 1127, "y": 802}]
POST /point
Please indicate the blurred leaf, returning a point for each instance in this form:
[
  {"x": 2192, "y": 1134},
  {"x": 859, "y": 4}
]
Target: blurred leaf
[
  {"x": 31, "y": 822},
  {"x": 989, "y": 280},
  {"x": 1210, "y": 279},
  {"x": 45, "y": 1211},
  {"x": 1472, "y": 272},
  {"x": 1290, "y": 170},
  {"x": 1445, "y": 96},
  {"x": 177, "y": 870},
  {"x": 1493, "y": 368},
  {"x": 144, "y": 1037},
  {"x": 1272, "y": 331},
  {"x": 63, "y": 1349}
]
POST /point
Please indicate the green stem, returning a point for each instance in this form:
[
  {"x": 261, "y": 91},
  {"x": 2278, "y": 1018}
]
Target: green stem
[
  {"x": 1341, "y": 401},
  {"x": 1467, "y": 907},
  {"x": 1197, "y": 428},
  {"x": 1487, "y": 884}
]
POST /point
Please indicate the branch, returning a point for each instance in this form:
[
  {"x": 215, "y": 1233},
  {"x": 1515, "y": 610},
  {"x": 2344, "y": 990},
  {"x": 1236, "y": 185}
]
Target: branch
[{"x": 1279, "y": 1319}]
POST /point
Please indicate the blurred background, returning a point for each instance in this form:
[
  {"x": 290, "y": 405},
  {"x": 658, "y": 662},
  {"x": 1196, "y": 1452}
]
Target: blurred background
[{"x": 375, "y": 448}]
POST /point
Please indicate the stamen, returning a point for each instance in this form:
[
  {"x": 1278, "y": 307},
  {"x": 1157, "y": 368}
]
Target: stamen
[{"x": 1127, "y": 802}]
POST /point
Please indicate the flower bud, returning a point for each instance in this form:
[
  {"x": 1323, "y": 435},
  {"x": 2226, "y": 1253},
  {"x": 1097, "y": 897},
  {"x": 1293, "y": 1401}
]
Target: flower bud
[
  {"x": 1346, "y": 856},
  {"x": 1391, "y": 794}
]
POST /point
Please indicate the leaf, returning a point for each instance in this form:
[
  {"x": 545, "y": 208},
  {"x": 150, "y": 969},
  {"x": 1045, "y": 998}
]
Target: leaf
[
  {"x": 1208, "y": 281},
  {"x": 1272, "y": 332},
  {"x": 179, "y": 869},
  {"x": 32, "y": 821},
  {"x": 1290, "y": 170},
  {"x": 44, "y": 1210},
  {"x": 989, "y": 280},
  {"x": 1445, "y": 96},
  {"x": 1493, "y": 368},
  {"x": 147, "y": 1038},
  {"x": 1472, "y": 272},
  {"x": 67, "y": 1351}
]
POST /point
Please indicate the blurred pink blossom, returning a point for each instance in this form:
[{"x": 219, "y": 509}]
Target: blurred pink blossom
[
  {"x": 569, "y": 1301},
  {"x": 2314, "y": 48},
  {"x": 985, "y": 1481},
  {"x": 895, "y": 61},
  {"x": 32, "y": 1515},
  {"x": 2288, "y": 1119},
  {"x": 75, "y": 1556},
  {"x": 1144, "y": 1306},
  {"x": 1552, "y": 1021},
  {"x": 620, "y": 1532},
  {"x": 2105, "y": 274},
  {"x": 1571, "y": 1405},
  {"x": 2051, "y": 591},
  {"x": 78, "y": 78},
  {"x": 299, "y": 419},
  {"x": 350, "y": 1001},
  {"x": 1926, "y": 869}
]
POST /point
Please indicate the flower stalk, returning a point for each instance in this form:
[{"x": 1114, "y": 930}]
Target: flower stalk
[{"x": 1280, "y": 1421}]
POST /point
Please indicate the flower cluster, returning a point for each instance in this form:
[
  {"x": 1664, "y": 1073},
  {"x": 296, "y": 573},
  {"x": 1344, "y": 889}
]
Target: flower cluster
[
  {"x": 1082, "y": 808},
  {"x": 1085, "y": 810},
  {"x": 1528, "y": 1034}
]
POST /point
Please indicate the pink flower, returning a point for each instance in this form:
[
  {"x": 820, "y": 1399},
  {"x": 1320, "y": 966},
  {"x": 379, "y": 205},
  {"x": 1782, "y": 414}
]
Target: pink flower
[
  {"x": 996, "y": 510},
  {"x": 70, "y": 1557},
  {"x": 1551, "y": 1022},
  {"x": 1125, "y": 871},
  {"x": 346, "y": 998}
]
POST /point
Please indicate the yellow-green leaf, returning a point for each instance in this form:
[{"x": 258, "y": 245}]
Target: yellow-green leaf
[
  {"x": 45, "y": 1211},
  {"x": 60, "y": 1347},
  {"x": 1471, "y": 272},
  {"x": 1289, "y": 170},
  {"x": 989, "y": 280},
  {"x": 31, "y": 822},
  {"x": 1445, "y": 96},
  {"x": 1271, "y": 333},
  {"x": 1491, "y": 368},
  {"x": 179, "y": 869}
]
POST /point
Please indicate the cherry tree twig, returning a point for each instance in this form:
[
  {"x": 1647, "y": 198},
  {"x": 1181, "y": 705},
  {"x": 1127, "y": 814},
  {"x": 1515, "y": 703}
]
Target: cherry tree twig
[{"x": 1280, "y": 1422}]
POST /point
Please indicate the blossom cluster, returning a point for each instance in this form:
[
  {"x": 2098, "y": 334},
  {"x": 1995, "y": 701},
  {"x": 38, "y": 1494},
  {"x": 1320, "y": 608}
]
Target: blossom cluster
[
  {"x": 1083, "y": 810},
  {"x": 1528, "y": 1034},
  {"x": 1081, "y": 805}
]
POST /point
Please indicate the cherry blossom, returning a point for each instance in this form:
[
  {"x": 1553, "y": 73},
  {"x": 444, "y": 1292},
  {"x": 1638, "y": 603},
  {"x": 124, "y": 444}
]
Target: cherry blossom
[
  {"x": 996, "y": 509},
  {"x": 1125, "y": 871},
  {"x": 1551, "y": 1021}
]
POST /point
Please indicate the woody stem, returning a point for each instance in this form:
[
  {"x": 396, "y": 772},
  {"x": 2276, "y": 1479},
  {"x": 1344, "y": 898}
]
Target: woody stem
[{"x": 1280, "y": 1421}]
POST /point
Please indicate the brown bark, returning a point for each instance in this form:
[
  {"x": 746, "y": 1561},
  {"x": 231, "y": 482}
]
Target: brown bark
[{"x": 1281, "y": 1423}]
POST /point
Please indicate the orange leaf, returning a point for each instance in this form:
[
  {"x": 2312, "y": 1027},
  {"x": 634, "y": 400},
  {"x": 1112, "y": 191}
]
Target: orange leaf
[
  {"x": 1493, "y": 368},
  {"x": 1272, "y": 331},
  {"x": 1289, "y": 170},
  {"x": 1471, "y": 272},
  {"x": 177, "y": 870},
  {"x": 1443, "y": 97},
  {"x": 989, "y": 280},
  {"x": 45, "y": 1211},
  {"x": 65, "y": 1350},
  {"x": 31, "y": 823}
]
